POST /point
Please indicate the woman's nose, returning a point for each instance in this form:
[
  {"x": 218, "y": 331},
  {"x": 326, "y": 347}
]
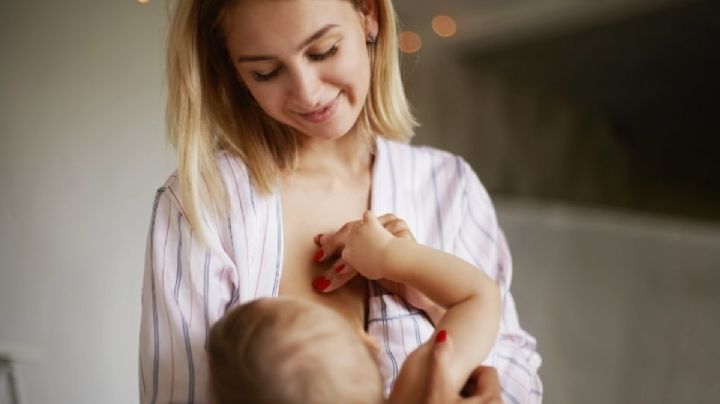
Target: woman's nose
[{"x": 305, "y": 90}]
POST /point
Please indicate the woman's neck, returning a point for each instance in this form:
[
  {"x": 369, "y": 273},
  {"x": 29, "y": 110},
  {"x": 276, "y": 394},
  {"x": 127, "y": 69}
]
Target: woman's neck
[{"x": 346, "y": 157}]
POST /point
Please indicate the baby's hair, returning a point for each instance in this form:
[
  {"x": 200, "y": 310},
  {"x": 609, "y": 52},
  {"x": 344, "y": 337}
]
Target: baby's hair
[{"x": 283, "y": 351}]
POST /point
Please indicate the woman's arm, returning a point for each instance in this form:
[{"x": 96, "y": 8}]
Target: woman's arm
[
  {"x": 470, "y": 296},
  {"x": 186, "y": 288},
  {"x": 481, "y": 241},
  {"x": 482, "y": 387}
]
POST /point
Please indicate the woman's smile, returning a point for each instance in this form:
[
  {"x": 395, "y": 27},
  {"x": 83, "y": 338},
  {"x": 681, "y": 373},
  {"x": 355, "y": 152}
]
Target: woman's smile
[
  {"x": 323, "y": 114},
  {"x": 292, "y": 56}
]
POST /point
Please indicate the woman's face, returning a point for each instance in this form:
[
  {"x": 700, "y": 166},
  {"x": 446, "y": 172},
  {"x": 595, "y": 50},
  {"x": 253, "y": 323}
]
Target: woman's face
[{"x": 304, "y": 61}]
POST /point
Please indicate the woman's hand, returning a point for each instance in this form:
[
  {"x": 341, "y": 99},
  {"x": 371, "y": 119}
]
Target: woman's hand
[
  {"x": 482, "y": 387},
  {"x": 359, "y": 245},
  {"x": 334, "y": 245}
]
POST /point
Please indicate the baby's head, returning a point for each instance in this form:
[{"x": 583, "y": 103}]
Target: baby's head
[{"x": 283, "y": 350}]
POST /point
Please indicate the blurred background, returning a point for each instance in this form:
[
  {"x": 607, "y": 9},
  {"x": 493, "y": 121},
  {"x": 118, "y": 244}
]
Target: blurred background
[{"x": 593, "y": 124}]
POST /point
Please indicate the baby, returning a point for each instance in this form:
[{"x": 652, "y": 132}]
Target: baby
[{"x": 286, "y": 350}]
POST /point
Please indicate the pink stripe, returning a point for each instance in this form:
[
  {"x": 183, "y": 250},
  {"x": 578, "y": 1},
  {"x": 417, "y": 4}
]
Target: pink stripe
[
  {"x": 402, "y": 336},
  {"x": 189, "y": 277},
  {"x": 242, "y": 210},
  {"x": 167, "y": 313},
  {"x": 220, "y": 277},
  {"x": 511, "y": 377},
  {"x": 262, "y": 250},
  {"x": 177, "y": 201}
]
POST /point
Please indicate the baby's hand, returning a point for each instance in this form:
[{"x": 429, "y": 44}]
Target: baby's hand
[
  {"x": 366, "y": 246},
  {"x": 365, "y": 243},
  {"x": 369, "y": 230}
]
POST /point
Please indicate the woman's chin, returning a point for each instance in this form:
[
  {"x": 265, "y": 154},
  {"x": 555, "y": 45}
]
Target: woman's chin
[{"x": 326, "y": 131}]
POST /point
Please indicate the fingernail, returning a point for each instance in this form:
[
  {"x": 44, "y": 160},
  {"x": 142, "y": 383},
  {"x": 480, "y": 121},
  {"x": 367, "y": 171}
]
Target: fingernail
[
  {"x": 339, "y": 268},
  {"x": 441, "y": 336},
  {"x": 317, "y": 240},
  {"x": 321, "y": 283},
  {"x": 318, "y": 255}
]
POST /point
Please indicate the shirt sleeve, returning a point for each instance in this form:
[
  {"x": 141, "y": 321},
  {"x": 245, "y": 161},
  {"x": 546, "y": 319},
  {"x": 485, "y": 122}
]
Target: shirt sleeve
[
  {"x": 186, "y": 288},
  {"x": 481, "y": 241}
]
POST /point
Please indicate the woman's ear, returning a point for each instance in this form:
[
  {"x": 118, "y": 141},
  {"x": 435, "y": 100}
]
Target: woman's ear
[{"x": 369, "y": 10}]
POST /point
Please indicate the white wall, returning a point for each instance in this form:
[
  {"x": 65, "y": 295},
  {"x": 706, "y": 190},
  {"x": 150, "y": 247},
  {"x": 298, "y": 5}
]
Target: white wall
[
  {"x": 624, "y": 306},
  {"x": 81, "y": 154}
]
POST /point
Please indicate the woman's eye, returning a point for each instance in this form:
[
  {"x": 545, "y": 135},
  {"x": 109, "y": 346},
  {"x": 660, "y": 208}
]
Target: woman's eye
[
  {"x": 265, "y": 76},
  {"x": 257, "y": 76},
  {"x": 319, "y": 57}
]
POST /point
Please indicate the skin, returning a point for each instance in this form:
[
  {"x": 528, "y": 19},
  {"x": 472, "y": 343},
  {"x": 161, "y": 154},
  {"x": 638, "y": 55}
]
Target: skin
[
  {"x": 334, "y": 244},
  {"x": 295, "y": 57},
  {"x": 472, "y": 300},
  {"x": 317, "y": 338},
  {"x": 378, "y": 253},
  {"x": 482, "y": 387},
  {"x": 300, "y": 59}
]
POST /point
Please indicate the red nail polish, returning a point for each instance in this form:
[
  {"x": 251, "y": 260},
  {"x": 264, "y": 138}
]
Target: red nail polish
[
  {"x": 318, "y": 255},
  {"x": 441, "y": 336},
  {"x": 321, "y": 283},
  {"x": 339, "y": 268}
]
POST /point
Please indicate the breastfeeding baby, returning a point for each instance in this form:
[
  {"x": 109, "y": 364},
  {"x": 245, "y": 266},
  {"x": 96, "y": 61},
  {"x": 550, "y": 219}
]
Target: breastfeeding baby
[{"x": 287, "y": 350}]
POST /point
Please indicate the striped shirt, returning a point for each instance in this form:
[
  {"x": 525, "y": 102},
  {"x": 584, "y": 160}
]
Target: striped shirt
[{"x": 188, "y": 286}]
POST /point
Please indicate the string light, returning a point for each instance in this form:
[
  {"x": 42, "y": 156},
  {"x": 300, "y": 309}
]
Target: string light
[{"x": 143, "y": 1}]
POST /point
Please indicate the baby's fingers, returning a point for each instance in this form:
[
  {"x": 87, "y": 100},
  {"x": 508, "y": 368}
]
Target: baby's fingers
[{"x": 396, "y": 226}]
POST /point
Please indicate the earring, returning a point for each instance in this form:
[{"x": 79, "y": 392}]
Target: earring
[{"x": 370, "y": 39}]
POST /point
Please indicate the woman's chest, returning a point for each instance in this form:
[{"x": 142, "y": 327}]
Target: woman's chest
[{"x": 303, "y": 218}]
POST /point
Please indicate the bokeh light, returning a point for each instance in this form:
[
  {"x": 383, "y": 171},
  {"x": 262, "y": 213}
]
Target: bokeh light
[
  {"x": 410, "y": 42},
  {"x": 444, "y": 26}
]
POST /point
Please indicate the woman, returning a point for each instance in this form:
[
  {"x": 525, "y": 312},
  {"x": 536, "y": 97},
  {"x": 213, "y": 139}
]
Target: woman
[{"x": 287, "y": 117}]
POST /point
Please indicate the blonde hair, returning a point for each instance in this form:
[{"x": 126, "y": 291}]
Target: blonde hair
[
  {"x": 208, "y": 109},
  {"x": 282, "y": 351}
]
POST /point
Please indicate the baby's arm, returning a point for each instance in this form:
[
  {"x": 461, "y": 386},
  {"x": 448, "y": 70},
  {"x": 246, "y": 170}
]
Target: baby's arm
[{"x": 469, "y": 295}]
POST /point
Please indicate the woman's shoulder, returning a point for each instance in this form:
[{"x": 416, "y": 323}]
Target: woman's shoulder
[
  {"x": 427, "y": 159},
  {"x": 223, "y": 160},
  {"x": 170, "y": 190},
  {"x": 232, "y": 172},
  {"x": 231, "y": 167},
  {"x": 431, "y": 167},
  {"x": 423, "y": 154},
  {"x": 243, "y": 209}
]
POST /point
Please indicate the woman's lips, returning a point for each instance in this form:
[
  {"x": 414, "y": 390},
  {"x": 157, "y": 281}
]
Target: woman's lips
[{"x": 323, "y": 113}]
